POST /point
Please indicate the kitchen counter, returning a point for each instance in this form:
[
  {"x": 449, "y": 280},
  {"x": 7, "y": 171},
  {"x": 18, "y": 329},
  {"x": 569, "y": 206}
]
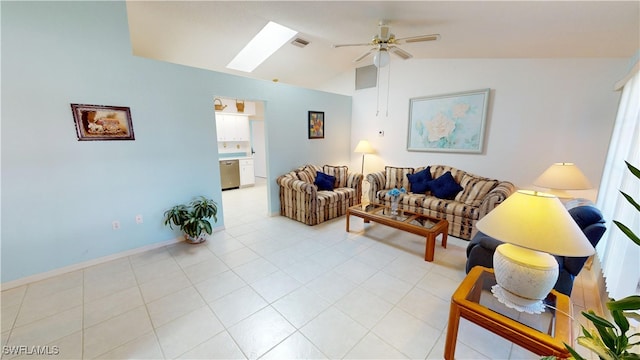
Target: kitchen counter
[{"x": 221, "y": 158}]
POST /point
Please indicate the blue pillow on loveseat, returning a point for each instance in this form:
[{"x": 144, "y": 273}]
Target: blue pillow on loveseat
[{"x": 324, "y": 181}]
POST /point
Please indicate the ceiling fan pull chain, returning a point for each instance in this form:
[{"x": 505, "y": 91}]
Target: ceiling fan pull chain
[
  {"x": 377, "y": 91},
  {"x": 388, "y": 86}
]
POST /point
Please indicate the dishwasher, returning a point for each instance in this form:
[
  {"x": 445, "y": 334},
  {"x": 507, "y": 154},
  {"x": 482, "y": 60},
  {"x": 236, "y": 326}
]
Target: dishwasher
[{"x": 229, "y": 174}]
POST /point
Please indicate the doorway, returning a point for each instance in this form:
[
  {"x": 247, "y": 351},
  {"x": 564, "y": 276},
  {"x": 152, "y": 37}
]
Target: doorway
[
  {"x": 253, "y": 148},
  {"x": 259, "y": 149}
]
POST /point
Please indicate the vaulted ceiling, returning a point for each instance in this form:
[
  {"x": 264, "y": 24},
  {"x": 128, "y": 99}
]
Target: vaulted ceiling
[{"x": 208, "y": 34}]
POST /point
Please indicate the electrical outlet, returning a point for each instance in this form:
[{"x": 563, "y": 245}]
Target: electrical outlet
[
  {"x": 115, "y": 225},
  {"x": 381, "y": 133},
  {"x": 138, "y": 219}
]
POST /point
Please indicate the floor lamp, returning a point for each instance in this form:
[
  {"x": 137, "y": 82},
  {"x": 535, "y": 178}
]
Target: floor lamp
[{"x": 363, "y": 148}]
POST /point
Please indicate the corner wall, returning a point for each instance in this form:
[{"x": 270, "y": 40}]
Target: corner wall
[{"x": 59, "y": 195}]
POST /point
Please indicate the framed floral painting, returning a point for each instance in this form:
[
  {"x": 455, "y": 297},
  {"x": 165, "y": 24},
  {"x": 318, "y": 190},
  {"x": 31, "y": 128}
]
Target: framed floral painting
[
  {"x": 316, "y": 125},
  {"x": 448, "y": 123},
  {"x": 100, "y": 122}
]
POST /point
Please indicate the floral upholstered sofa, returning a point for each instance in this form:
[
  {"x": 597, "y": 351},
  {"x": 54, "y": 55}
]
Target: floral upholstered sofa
[
  {"x": 313, "y": 194},
  {"x": 442, "y": 192}
]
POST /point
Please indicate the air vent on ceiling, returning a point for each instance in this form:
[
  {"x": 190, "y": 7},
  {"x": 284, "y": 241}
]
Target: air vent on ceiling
[{"x": 300, "y": 42}]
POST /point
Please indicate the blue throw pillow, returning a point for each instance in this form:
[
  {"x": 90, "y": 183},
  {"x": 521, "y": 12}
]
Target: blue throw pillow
[
  {"x": 324, "y": 181},
  {"x": 445, "y": 187},
  {"x": 420, "y": 181}
]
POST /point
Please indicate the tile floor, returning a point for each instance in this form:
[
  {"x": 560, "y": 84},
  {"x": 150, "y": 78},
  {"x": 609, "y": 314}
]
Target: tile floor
[{"x": 265, "y": 287}]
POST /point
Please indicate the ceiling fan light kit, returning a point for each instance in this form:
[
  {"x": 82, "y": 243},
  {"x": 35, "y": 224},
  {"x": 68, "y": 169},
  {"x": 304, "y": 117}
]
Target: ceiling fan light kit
[
  {"x": 381, "y": 58},
  {"x": 385, "y": 42},
  {"x": 380, "y": 46}
]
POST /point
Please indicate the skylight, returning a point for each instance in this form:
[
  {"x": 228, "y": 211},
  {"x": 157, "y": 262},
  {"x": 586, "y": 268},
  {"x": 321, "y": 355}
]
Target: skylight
[{"x": 263, "y": 45}]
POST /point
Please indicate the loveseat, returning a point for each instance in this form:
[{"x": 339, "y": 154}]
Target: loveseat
[
  {"x": 482, "y": 247},
  {"x": 312, "y": 194},
  {"x": 442, "y": 192}
]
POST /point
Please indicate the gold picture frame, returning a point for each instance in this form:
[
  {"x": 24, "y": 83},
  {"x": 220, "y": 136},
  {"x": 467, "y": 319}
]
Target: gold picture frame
[{"x": 101, "y": 122}]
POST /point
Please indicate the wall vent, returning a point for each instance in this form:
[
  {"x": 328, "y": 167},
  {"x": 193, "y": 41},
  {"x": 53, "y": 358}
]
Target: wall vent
[
  {"x": 300, "y": 42},
  {"x": 366, "y": 77}
]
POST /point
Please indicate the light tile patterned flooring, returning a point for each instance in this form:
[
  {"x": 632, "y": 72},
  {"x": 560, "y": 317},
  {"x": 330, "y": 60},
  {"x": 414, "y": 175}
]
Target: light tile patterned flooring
[{"x": 265, "y": 287}]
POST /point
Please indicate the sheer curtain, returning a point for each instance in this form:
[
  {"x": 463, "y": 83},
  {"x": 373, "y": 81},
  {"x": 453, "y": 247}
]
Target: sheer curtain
[{"x": 620, "y": 257}]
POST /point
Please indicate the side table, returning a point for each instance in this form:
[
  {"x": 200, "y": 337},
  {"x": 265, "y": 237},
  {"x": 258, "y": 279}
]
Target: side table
[{"x": 543, "y": 334}]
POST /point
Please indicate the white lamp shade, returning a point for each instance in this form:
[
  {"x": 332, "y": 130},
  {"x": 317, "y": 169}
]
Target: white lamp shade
[
  {"x": 536, "y": 221},
  {"x": 381, "y": 58},
  {"x": 364, "y": 147},
  {"x": 563, "y": 176}
]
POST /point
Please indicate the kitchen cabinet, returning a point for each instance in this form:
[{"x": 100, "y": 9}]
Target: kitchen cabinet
[
  {"x": 232, "y": 127},
  {"x": 247, "y": 174}
]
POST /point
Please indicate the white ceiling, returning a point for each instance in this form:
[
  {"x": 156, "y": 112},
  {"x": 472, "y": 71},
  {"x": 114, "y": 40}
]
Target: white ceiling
[{"x": 208, "y": 34}]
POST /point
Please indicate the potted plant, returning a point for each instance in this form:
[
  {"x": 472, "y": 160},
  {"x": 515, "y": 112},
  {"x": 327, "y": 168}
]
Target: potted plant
[{"x": 193, "y": 219}]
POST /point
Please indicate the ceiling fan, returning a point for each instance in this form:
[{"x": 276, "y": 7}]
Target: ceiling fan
[{"x": 385, "y": 42}]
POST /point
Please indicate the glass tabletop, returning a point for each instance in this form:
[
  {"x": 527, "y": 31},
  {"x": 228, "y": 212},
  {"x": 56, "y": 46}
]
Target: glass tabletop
[
  {"x": 401, "y": 215},
  {"x": 482, "y": 295}
]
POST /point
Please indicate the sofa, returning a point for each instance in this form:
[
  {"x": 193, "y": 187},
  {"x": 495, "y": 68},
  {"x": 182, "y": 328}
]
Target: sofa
[
  {"x": 312, "y": 194},
  {"x": 442, "y": 192},
  {"x": 482, "y": 247}
]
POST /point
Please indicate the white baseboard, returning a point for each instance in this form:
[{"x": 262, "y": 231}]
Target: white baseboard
[{"x": 85, "y": 264}]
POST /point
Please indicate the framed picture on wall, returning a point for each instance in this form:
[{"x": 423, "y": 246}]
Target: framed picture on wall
[
  {"x": 100, "y": 122},
  {"x": 448, "y": 123},
  {"x": 316, "y": 125}
]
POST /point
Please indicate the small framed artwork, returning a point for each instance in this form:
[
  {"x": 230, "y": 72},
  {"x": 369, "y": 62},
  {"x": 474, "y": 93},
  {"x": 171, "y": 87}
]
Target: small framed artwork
[
  {"x": 100, "y": 122},
  {"x": 316, "y": 125},
  {"x": 448, "y": 123}
]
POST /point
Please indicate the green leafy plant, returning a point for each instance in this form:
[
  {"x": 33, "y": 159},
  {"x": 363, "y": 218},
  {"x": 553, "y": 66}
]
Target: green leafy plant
[
  {"x": 192, "y": 219},
  {"x": 611, "y": 341},
  {"x": 633, "y": 202}
]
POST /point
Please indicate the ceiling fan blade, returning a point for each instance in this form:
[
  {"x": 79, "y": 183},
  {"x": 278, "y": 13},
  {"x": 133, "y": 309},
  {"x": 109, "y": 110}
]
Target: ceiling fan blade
[
  {"x": 420, "y": 38},
  {"x": 400, "y": 53},
  {"x": 345, "y": 45},
  {"x": 359, "y": 58}
]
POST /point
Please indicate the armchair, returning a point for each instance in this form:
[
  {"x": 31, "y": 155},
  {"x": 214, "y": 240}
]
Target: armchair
[{"x": 302, "y": 200}]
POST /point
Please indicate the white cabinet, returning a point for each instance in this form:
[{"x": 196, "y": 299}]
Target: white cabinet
[
  {"x": 221, "y": 128},
  {"x": 241, "y": 126},
  {"x": 247, "y": 175},
  {"x": 232, "y": 127}
]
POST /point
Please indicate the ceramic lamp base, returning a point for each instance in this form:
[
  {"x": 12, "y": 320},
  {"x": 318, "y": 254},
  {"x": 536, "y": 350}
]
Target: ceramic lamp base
[{"x": 525, "y": 277}]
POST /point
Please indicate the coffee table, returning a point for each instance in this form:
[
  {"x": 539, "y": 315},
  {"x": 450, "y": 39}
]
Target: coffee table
[
  {"x": 544, "y": 334},
  {"x": 408, "y": 221}
]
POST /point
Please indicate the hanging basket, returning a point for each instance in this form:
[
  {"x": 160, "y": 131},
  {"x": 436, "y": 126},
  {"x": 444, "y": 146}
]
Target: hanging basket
[
  {"x": 240, "y": 105},
  {"x": 217, "y": 103}
]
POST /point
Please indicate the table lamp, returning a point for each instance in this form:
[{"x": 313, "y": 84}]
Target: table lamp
[
  {"x": 532, "y": 226},
  {"x": 364, "y": 148},
  {"x": 563, "y": 176}
]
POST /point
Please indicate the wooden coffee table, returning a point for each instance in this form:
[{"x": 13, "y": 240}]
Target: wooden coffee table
[
  {"x": 408, "y": 221},
  {"x": 544, "y": 334}
]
